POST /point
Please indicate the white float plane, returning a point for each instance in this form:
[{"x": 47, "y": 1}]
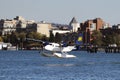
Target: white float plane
[{"x": 59, "y": 51}]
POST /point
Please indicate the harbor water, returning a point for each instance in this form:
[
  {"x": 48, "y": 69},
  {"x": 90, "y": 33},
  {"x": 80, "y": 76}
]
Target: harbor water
[{"x": 31, "y": 65}]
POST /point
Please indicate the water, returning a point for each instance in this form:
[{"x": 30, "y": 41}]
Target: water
[{"x": 30, "y": 65}]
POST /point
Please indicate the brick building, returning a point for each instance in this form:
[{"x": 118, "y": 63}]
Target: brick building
[{"x": 89, "y": 26}]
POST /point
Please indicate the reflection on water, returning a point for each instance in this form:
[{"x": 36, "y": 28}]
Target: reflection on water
[
  {"x": 81, "y": 64},
  {"x": 70, "y": 65},
  {"x": 58, "y": 65}
]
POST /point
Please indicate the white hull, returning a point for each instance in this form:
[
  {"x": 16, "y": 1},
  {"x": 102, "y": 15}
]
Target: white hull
[
  {"x": 63, "y": 55},
  {"x": 47, "y": 54}
]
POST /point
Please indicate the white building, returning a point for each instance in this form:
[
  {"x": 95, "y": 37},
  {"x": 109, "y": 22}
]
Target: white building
[
  {"x": 60, "y": 31},
  {"x": 93, "y": 26},
  {"x": 74, "y": 24},
  {"x": 116, "y": 26},
  {"x": 106, "y": 25},
  {"x": 7, "y": 26},
  {"x": 22, "y": 23},
  {"x": 44, "y": 28}
]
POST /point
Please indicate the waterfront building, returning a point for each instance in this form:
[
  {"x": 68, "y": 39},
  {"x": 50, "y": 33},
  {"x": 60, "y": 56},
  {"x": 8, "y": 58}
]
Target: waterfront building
[
  {"x": 7, "y": 26},
  {"x": 89, "y": 26},
  {"x": 99, "y": 23},
  {"x": 106, "y": 25},
  {"x": 116, "y": 26},
  {"x": 44, "y": 28},
  {"x": 74, "y": 24},
  {"x": 22, "y": 24},
  {"x": 40, "y": 27},
  {"x": 60, "y": 31},
  {"x": 60, "y": 28},
  {"x": 109, "y": 31},
  {"x": 11, "y": 25}
]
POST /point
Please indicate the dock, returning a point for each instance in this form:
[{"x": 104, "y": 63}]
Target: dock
[{"x": 112, "y": 49}]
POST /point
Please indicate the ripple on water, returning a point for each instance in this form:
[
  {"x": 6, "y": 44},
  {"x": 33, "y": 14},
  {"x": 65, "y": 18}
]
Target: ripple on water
[{"x": 30, "y": 65}]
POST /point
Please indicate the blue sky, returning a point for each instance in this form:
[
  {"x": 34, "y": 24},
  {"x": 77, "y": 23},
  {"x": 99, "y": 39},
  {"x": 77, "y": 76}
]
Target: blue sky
[{"x": 61, "y": 11}]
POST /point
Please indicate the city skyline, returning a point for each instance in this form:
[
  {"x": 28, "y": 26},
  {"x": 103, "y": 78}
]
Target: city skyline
[{"x": 61, "y": 11}]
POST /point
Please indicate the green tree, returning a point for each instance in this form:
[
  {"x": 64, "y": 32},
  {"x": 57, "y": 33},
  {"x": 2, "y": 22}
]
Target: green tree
[
  {"x": 118, "y": 39},
  {"x": 6, "y": 38},
  {"x": 22, "y": 36},
  {"x": 22, "y": 39},
  {"x": 34, "y": 35},
  {"x": 107, "y": 39},
  {"x": 58, "y": 38},
  {"x": 113, "y": 38},
  {"x": 44, "y": 38},
  {"x": 1, "y": 40},
  {"x": 14, "y": 38},
  {"x": 51, "y": 38},
  {"x": 97, "y": 38}
]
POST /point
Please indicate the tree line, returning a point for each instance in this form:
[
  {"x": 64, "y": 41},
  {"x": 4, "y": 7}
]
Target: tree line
[
  {"x": 105, "y": 39},
  {"x": 19, "y": 39}
]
